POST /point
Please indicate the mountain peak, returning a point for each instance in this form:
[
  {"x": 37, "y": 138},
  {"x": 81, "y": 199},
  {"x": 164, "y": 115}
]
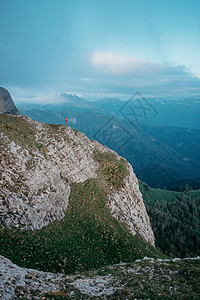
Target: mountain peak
[{"x": 7, "y": 105}]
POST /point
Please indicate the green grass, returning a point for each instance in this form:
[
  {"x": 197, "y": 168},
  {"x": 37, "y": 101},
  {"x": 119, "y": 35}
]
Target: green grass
[
  {"x": 18, "y": 130},
  {"x": 152, "y": 195},
  {"x": 87, "y": 238},
  {"x": 57, "y": 296},
  {"x": 23, "y": 132},
  {"x": 111, "y": 170}
]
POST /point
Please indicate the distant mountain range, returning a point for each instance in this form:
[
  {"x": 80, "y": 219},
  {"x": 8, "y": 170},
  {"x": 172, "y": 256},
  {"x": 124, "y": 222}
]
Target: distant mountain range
[
  {"x": 162, "y": 155},
  {"x": 170, "y": 112},
  {"x": 176, "y": 112}
]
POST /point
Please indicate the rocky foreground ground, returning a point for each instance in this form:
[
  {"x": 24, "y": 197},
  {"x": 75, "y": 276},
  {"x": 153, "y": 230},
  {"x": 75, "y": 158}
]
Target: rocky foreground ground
[{"x": 142, "y": 279}]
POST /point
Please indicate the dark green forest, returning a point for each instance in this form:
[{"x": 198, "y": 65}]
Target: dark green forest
[{"x": 175, "y": 219}]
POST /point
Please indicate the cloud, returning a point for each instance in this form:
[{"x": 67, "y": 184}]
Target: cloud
[
  {"x": 109, "y": 63},
  {"x": 106, "y": 74},
  {"x": 115, "y": 64},
  {"x": 126, "y": 74}
]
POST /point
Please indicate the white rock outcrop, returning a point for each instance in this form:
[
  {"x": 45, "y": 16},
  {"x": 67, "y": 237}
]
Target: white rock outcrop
[
  {"x": 35, "y": 181},
  {"x": 13, "y": 277},
  {"x": 126, "y": 205}
]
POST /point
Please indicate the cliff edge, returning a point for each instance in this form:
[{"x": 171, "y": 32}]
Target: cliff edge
[{"x": 39, "y": 162}]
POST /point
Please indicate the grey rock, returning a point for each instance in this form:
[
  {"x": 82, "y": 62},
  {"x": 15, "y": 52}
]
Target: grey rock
[
  {"x": 165, "y": 274},
  {"x": 13, "y": 277},
  {"x": 7, "y": 105}
]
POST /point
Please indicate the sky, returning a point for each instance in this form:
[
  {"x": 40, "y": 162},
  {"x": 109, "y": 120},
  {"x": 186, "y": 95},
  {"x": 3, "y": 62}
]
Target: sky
[{"x": 98, "y": 48}]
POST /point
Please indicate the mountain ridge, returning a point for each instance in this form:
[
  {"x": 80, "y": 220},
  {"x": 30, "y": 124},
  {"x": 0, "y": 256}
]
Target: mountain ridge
[
  {"x": 7, "y": 105},
  {"x": 71, "y": 151},
  {"x": 61, "y": 192}
]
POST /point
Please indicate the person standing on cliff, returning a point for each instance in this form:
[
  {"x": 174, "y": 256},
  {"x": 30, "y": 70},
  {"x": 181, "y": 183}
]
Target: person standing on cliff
[{"x": 66, "y": 121}]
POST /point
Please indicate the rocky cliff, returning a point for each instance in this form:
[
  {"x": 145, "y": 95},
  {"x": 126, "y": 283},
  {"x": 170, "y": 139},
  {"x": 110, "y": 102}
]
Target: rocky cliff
[
  {"x": 40, "y": 162},
  {"x": 7, "y": 105},
  {"x": 144, "y": 279}
]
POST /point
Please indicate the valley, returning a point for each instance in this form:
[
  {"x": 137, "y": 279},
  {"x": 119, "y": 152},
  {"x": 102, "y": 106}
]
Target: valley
[{"x": 162, "y": 154}]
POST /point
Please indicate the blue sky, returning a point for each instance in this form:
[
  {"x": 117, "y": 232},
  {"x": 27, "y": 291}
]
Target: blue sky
[{"x": 98, "y": 48}]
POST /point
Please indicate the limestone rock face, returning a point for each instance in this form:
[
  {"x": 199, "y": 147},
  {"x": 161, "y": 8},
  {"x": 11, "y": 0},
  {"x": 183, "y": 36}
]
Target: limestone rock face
[
  {"x": 7, "y": 105},
  {"x": 126, "y": 205},
  {"x": 35, "y": 186},
  {"x": 35, "y": 177},
  {"x": 13, "y": 276}
]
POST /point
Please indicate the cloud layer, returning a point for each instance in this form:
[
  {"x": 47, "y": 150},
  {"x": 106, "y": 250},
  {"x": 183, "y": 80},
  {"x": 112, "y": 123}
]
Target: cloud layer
[
  {"x": 106, "y": 74},
  {"x": 114, "y": 64},
  {"x": 126, "y": 73}
]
